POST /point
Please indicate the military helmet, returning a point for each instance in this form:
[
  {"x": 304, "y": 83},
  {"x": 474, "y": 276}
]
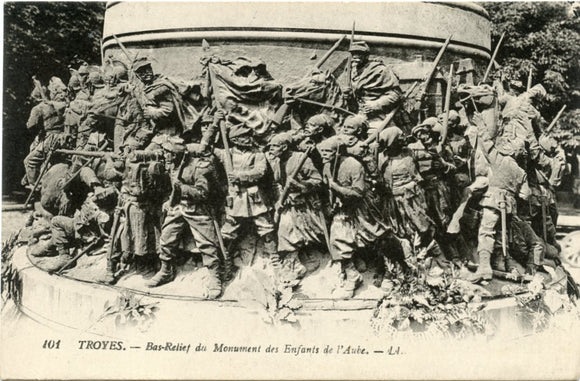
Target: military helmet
[
  {"x": 321, "y": 120},
  {"x": 360, "y": 47},
  {"x": 390, "y": 135},
  {"x": 96, "y": 80},
  {"x": 192, "y": 87},
  {"x": 174, "y": 144},
  {"x": 140, "y": 62},
  {"x": 74, "y": 83},
  {"x": 280, "y": 139},
  {"x": 56, "y": 86},
  {"x": 83, "y": 69},
  {"x": 358, "y": 121}
]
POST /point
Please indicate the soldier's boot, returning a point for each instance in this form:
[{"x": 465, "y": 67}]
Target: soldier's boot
[
  {"x": 272, "y": 253},
  {"x": 294, "y": 265},
  {"x": 439, "y": 256},
  {"x": 144, "y": 264},
  {"x": 484, "y": 271},
  {"x": 387, "y": 284},
  {"x": 165, "y": 275},
  {"x": 498, "y": 262},
  {"x": 214, "y": 283},
  {"x": 109, "y": 277},
  {"x": 512, "y": 267},
  {"x": 64, "y": 261},
  {"x": 352, "y": 280},
  {"x": 43, "y": 249}
]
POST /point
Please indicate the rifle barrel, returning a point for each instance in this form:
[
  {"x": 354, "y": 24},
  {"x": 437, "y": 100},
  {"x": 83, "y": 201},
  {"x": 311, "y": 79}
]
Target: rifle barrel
[
  {"x": 294, "y": 174},
  {"x": 492, "y": 58},
  {"x": 325, "y": 105},
  {"x": 447, "y": 106},
  {"x": 123, "y": 48},
  {"x": 390, "y": 116},
  {"x": 329, "y": 52},
  {"x": 81, "y": 153},
  {"x": 549, "y": 128},
  {"x": 427, "y": 79}
]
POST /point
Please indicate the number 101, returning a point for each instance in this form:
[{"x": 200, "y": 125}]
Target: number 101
[{"x": 51, "y": 344}]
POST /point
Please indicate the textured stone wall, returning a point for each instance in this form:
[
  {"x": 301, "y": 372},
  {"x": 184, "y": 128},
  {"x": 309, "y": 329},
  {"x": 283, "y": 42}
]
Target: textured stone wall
[{"x": 291, "y": 37}]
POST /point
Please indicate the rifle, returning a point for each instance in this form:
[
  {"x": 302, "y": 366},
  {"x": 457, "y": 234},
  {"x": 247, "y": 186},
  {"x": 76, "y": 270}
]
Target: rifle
[
  {"x": 139, "y": 97},
  {"x": 113, "y": 234},
  {"x": 530, "y": 77},
  {"x": 45, "y": 167},
  {"x": 488, "y": 69},
  {"x": 324, "y": 105},
  {"x": 292, "y": 177},
  {"x": 553, "y": 123},
  {"x": 429, "y": 76},
  {"x": 84, "y": 153},
  {"x": 503, "y": 212},
  {"x": 349, "y": 62},
  {"x": 225, "y": 253},
  {"x": 86, "y": 164},
  {"x": 334, "y": 174},
  {"x": 177, "y": 178},
  {"x": 329, "y": 52},
  {"x": 125, "y": 51},
  {"x": 390, "y": 116},
  {"x": 93, "y": 244},
  {"x": 227, "y": 154},
  {"x": 447, "y": 109}
]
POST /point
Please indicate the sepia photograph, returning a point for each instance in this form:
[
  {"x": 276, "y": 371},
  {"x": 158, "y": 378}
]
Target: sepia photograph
[{"x": 290, "y": 190}]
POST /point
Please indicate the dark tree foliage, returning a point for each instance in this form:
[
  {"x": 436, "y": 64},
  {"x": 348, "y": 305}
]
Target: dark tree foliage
[
  {"x": 544, "y": 37},
  {"x": 42, "y": 39}
]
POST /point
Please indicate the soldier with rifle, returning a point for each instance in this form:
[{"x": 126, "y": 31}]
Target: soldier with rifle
[
  {"x": 373, "y": 89},
  {"x": 247, "y": 202},
  {"x": 301, "y": 222},
  {"x": 507, "y": 181},
  {"x": 405, "y": 203},
  {"x": 353, "y": 226},
  {"x": 317, "y": 128},
  {"x": 136, "y": 236},
  {"x": 434, "y": 168},
  {"x": 154, "y": 95},
  {"x": 87, "y": 225},
  {"x": 47, "y": 118},
  {"x": 187, "y": 211}
]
